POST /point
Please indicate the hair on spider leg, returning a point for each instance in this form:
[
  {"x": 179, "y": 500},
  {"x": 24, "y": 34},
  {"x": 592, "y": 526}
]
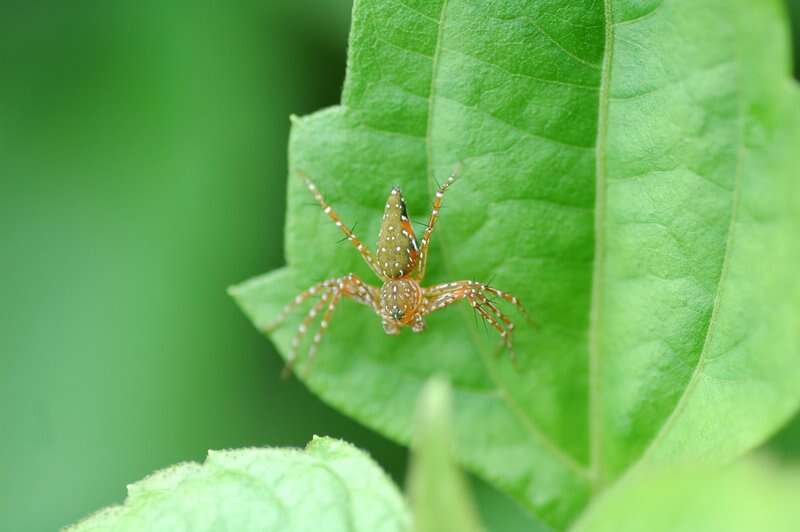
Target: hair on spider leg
[
  {"x": 491, "y": 299},
  {"x": 485, "y": 327},
  {"x": 352, "y": 230},
  {"x": 501, "y": 346},
  {"x": 520, "y": 308},
  {"x": 476, "y": 314},
  {"x": 483, "y": 319}
]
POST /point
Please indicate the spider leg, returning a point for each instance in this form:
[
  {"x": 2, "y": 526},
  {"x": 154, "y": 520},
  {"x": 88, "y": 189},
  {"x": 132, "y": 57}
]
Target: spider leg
[
  {"x": 479, "y": 307},
  {"x": 301, "y": 332},
  {"x": 331, "y": 291},
  {"x": 298, "y": 300},
  {"x": 348, "y": 286},
  {"x": 323, "y": 326},
  {"x": 443, "y": 295},
  {"x": 366, "y": 254},
  {"x": 507, "y": 297},
  {"x": 434, "y": 216},
  {"x": 497, "y": 312},
  {"x": 360, "y": 291},
  {"x": 505, "y": 332}
]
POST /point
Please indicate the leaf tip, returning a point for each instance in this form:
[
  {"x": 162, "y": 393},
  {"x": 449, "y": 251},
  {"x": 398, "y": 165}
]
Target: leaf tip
[
  {"x": 433, "y": 410},
  {"x": 438, "y": 492}
]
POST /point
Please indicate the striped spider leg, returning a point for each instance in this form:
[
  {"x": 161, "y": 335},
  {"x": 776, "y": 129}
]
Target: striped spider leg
[
  {"x": 363, "y": 250},
  {"x": 478, "y": 295},
  {"x": 434, "y": 216},
  {"x": 330, "y": 293},
  {"x": 399, "y": 262}
]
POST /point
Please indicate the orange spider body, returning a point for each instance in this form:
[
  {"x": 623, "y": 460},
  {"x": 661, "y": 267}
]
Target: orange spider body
[{"x": 399, "y": 261}]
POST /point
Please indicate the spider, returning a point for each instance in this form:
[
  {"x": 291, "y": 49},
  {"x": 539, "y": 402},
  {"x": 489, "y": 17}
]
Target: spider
[{"x": 399, "y": 262}]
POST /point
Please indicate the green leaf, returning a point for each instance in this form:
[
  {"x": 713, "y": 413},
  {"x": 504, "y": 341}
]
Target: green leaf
[
  {"x": 753, "y": 495},
  {"x": 439, "y": 495},
  {"x": 330, "y": 483},
  {"x": 500, "y": 513},
  {"x": 785, "y": 444},
  {"x": 629, "y": 171}
]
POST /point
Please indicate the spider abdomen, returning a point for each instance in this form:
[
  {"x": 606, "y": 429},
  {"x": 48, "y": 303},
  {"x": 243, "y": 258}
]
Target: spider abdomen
[
  {"x": 397, "y": 251},
  {"x": 400, "y": 300}
]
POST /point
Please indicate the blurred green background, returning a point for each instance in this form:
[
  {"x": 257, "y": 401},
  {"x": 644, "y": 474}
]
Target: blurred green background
[{"x": 142, "y": 171}]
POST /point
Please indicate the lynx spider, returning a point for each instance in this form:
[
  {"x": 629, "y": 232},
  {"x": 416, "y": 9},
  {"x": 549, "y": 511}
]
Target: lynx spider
[{"x": 399, "y": 262}]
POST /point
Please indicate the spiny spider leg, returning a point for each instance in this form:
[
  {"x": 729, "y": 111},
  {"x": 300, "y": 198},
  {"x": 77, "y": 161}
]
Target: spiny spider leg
[
  {"x": 459, "y": 289},
  {"x": 362, "y": 292},
  {"x": 443, "y": 295},
  {"x": 366, "y": 254},
  {"x": 434, "y": 216},
  {"x": 497, "y": 312},
  {"x": 487, "y": 316},
  {"x": 330, "y": 291},
  {"x": 506, "y": 332},
  {"x": 301, "y": 332},
  {"x": 298, "y": 300},
  {"x": 323, "y": 326},
  {"x": 507, "y": 297}
]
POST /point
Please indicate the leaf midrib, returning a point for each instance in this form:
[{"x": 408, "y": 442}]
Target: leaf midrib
[
  {"x": 595, "y": 472},
  {"x": 595, "y": 413},
  {"x": 598, "y": 271}
]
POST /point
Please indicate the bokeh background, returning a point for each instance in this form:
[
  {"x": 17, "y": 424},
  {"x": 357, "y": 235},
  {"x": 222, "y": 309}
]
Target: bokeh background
[{"x": 142, "y": 171}]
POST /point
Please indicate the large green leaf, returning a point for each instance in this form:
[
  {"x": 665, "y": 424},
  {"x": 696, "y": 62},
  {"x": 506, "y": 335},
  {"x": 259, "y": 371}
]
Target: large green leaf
[
  {"x": 628, "y": 171},
  {"x": 330, "y": 486},
  {"x": 753, "y": 495}
]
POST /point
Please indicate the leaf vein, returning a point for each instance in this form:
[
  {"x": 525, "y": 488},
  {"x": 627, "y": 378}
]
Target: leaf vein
[
  {"x": 415, "y": 11},
  {"x": 680, "y": 406},
  {"x": 519, "y": 129},
  {"x": 552, "y": 39},
  {"x": 522, "y": 74}
]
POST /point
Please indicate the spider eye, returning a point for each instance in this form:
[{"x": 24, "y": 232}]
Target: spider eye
[{"x": 397, "y": 313}]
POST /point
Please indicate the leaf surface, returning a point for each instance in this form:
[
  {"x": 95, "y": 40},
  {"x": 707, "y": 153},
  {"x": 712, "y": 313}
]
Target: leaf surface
[
  {"x": 628, "y": 172},
  {"x": 752, "y": 495},
  {"x": 329, "y": 486}
]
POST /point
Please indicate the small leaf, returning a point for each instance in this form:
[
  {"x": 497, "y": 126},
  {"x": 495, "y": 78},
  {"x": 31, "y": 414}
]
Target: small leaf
[
  {"x": 752, "y": 495},
  {"x": 330, "y": 486},
  {"x": 439, "y": 495},
  {"x": 629, "y": 171}
]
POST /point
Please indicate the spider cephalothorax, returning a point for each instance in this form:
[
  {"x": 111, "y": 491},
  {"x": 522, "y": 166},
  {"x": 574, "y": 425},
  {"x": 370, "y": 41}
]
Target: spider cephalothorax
[{"x": 399, "y": 261}]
